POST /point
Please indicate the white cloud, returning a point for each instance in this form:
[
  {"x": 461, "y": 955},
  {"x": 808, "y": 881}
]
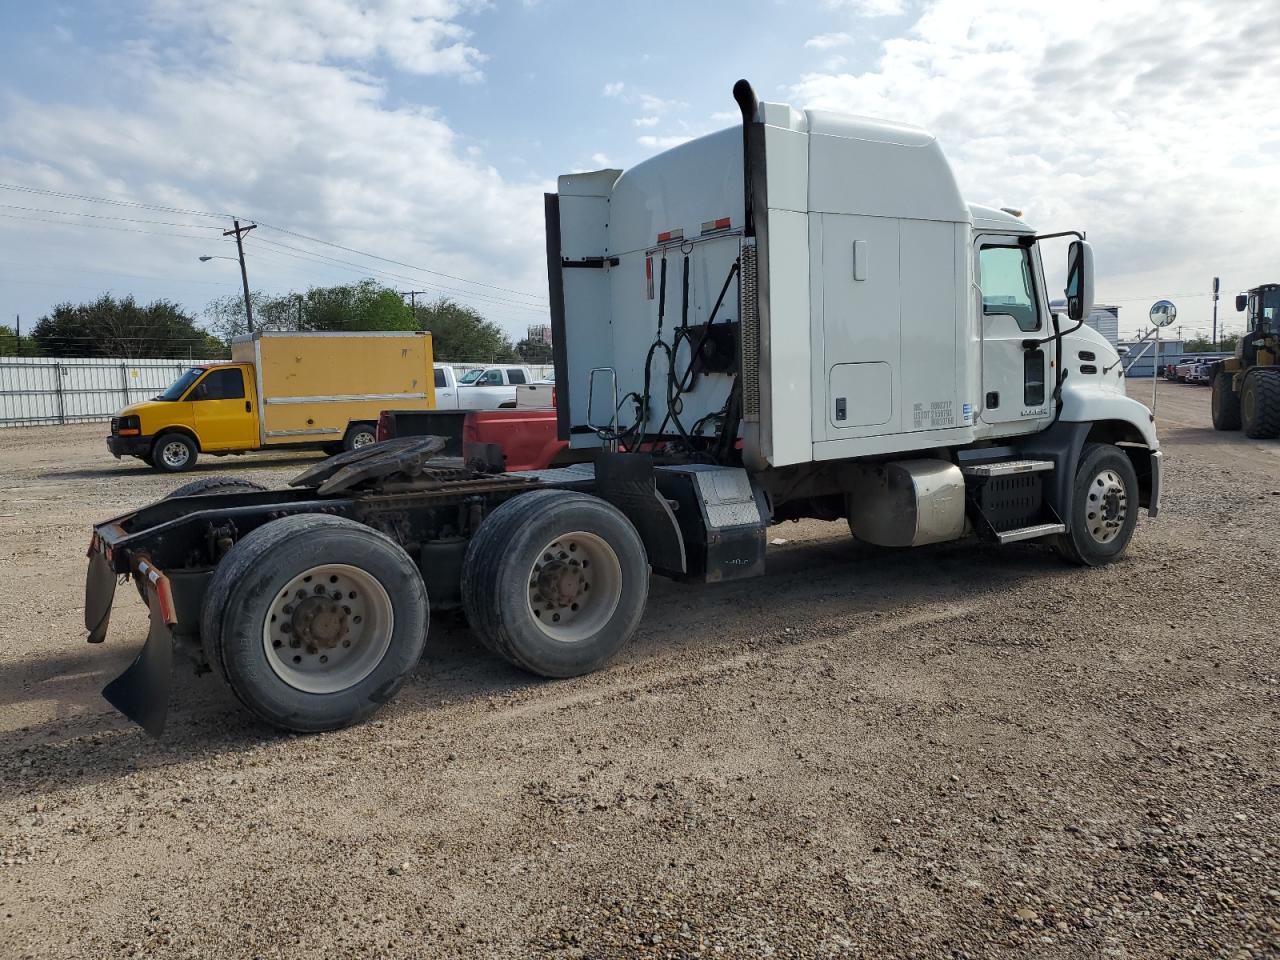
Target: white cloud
[
  {"x": 645, "y": 121},
  {"x": 600, "y": 160},
  {"x": 307, "y": 142},
  {"x": 614, "y": 89},
  {"x": 828, "y": 41},
  {"x": 869, "y": 8},
  {"x": 418, "y": 36},
  {"x": 1140, "y": 122}
]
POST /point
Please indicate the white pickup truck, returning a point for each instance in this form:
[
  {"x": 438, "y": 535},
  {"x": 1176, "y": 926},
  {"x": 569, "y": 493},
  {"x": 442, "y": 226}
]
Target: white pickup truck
[{"x": 482, "y": 388}]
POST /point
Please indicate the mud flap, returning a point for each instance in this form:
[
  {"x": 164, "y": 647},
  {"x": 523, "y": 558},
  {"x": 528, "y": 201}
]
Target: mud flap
[
  {"x": 141, "y": 693},
  {"x": 99, "y": 592}
]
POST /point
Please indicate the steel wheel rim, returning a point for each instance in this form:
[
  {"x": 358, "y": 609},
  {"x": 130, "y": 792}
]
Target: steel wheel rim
[
  {"x": 175, "y": 453},
  {"x": 328, "y": 628},
  {"x": 1107, "y": 507},
  {"x": 575, "y": 585},
  {"x": 362, "y": 439}
]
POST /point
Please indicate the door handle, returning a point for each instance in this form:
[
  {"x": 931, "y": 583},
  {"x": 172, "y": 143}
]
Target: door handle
[{"x": 248, "y": 407}]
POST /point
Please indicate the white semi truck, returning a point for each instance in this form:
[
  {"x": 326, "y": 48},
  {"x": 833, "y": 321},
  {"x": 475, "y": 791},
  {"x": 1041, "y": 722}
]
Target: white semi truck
[{"x": 797, "y": 317}]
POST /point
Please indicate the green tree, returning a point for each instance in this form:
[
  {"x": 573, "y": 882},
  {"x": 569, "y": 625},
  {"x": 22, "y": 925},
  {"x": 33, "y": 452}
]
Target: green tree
[
  {"x": 460, "y": 333},
  {"x": 11, "y": 345},
  {"x": 534, "y": 351},
  {"x": 366, "y": 305},
  {"x": 108, "y": 327},
  {"x": 1205, "y": 345}
]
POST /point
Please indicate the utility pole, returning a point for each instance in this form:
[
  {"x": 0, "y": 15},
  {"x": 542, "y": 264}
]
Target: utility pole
[
  {"x": 1215, "y": 313},
  {"x": 412, "y": 301},
  {"x": 239, "y": 232}
]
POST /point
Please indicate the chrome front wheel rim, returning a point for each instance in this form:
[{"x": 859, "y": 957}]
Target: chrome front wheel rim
[
  {"x": 575, "y": 585},
  {"x": 328, "y": 628},
  {"x": 1107, "y": 507},
  {"x": 175, "y": 454},
  {"x": 362, "y": 439}
]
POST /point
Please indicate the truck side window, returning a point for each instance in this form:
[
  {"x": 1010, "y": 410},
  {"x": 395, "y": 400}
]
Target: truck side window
[
  {"x": 1007, "y": 288},
  {"x": 492, "y": 378},
  {"x": 516, "y": 376},
  {"x": 221, "y": 385},
  {"x": 440, "y": 379}
]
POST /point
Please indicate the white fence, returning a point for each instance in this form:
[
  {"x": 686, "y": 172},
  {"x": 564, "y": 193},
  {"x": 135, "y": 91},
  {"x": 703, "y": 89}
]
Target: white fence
[
  {"x": 39, "y": 390},
  {"x": 44, "y": 390}
]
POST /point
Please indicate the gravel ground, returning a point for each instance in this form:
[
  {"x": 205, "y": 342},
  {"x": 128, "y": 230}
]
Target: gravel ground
[{"x": 956, "y": 751}]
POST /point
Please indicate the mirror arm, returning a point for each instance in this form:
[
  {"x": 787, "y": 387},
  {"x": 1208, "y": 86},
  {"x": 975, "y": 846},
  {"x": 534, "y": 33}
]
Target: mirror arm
[{"x": 1037, "y": 237}]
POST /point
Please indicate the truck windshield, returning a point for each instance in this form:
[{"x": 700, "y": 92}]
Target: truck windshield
[
  {"x": 179, "y": 386},
  {"x": 471, "y": 376}
]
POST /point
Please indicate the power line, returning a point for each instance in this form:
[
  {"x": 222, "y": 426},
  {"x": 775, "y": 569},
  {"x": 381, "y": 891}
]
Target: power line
[
  {"x": 122, "y": 203},
  {"x": 366, "y": 269},
  {"x": 103, "y": 226},
  {"x": 103, "y": 216},
  {"x": 399, "y": 263},
  {"x": 284, "y": 230}
]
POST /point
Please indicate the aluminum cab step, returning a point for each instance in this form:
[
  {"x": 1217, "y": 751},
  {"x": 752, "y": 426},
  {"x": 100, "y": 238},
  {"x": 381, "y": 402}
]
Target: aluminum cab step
[
  {"x": 1030, "y": 533},
  {"x": 1005, "y": 468}
]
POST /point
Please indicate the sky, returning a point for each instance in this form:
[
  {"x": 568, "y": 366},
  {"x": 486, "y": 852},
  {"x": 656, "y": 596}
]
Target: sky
[{"x": 424, "y": 132}]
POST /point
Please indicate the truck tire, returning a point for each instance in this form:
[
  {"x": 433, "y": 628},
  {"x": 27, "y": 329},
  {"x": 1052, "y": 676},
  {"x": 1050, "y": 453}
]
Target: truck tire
[
  {"x": 1224, "y": 403},
  {"x": 1104, "y": 507},
  {"x": 207, "y": 486},
  {"x": 555, "y": 582},
  {"x": 315, "y": 621},
  {"x": 359, "y": 435},
  {"x": 1260, "y": 404},
  {"x": 173, "y": 453}
]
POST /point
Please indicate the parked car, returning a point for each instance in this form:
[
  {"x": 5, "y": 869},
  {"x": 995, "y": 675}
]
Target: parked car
[{"x": 489, "y": 388}]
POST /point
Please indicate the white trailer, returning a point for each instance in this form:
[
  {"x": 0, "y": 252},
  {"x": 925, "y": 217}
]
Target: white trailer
[{"x": 798, "y": 317}]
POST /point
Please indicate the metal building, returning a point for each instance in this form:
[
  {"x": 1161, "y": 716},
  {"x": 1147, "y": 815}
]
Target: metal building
[{"x": 1106, "y": 320}]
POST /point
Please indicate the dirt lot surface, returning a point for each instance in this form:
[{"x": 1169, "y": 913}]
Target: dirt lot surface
[{"x": 955, "y": 751}]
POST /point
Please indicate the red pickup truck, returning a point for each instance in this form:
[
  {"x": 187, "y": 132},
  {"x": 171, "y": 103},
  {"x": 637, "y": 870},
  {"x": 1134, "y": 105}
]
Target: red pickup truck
[{"x": 506, "y": 440}]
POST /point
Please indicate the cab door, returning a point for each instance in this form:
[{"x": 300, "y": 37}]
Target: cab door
[
  {"x": 1017, "y": 385},
  {"x": 446, "y": 392},
  {"x": 226, "y": 418}
]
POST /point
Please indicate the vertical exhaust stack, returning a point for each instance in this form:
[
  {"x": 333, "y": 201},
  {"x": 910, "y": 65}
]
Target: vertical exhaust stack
[
  {"x": 753, "y": 282},
  {"x": 749, "y": 105}
]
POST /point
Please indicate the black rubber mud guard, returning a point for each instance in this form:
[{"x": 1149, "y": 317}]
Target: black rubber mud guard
[
  {"x": 99, "y": 593},
  {"x": 627, "y": 481},
  {"x": 141, "y": 693}
]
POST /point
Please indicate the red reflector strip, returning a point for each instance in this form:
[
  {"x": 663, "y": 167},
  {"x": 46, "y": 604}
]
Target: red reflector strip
[
  {"x": 711, "y": 226},
  {"x": 160, "y": 585},
  {"x": 670, "y": 235}
]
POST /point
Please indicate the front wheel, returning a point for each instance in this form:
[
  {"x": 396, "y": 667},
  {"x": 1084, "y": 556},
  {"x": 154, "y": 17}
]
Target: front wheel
[
  {"x": 1104, "y": 507},
  {"x": 174, "y": 453},
  {"x": 315, "y": 621},
  {"x": 555, "y": 582}
]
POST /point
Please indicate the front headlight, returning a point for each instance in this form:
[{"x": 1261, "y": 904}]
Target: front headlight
[{"x": 130, "y": 426}]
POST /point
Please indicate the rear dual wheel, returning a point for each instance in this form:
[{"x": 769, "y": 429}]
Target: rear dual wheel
[
  {"x": 315, "y": 621},
  {"x": 555, "y": 582}
]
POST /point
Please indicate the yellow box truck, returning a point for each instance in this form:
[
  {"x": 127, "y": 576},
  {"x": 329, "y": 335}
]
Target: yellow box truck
[{"x": 297, "y": 390}]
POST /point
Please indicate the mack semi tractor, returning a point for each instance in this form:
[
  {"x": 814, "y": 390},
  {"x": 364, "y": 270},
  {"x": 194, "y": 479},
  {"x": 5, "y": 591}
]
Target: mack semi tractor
[{"x": 796, "y": 317}]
